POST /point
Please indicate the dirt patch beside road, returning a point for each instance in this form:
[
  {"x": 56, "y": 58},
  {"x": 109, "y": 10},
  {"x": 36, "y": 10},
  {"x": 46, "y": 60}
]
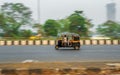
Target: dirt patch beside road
[
  {"x": 60, "y": 68},
  {"x": 54, "y": 65}
]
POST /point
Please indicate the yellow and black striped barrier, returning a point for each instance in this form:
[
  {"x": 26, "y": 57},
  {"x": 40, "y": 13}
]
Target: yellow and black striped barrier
[{"x": 53, "y": 42}]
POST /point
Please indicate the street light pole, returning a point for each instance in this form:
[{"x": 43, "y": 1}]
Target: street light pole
[{"x": 38, "y": 9}]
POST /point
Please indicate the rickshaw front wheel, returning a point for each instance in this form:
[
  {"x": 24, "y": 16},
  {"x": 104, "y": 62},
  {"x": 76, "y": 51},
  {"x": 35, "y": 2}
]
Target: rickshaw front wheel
[{"x": 56, "y": 47}]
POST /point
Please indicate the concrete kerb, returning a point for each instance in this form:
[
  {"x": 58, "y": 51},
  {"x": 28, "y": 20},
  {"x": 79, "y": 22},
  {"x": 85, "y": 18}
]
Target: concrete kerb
[{"x": 53, "y": 42}]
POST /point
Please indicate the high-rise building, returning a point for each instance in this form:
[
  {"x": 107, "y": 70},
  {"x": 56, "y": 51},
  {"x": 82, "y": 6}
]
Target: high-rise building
[{"x": 111, "y": 11}]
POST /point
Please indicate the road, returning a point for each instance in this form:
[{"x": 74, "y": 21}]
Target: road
[{"x": 47, "y": 53}]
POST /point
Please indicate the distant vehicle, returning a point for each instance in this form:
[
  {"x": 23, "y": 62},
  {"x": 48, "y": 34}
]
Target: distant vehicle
[
  {"x": 68, "y": 40},
  {"x": 34, "y": 37},
  {"x": 100, "y": 37}
]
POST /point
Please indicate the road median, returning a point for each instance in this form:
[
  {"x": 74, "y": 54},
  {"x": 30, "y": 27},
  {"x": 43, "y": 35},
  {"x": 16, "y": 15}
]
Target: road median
[{"x": 53, "y": 42}]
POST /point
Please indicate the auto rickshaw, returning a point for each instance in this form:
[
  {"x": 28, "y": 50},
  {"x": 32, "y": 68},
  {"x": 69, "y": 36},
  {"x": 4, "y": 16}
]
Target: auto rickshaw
[{"x": 68, "y": 40}]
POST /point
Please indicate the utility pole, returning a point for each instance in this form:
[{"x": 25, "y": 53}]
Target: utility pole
[{"x": 38, "y": 10}]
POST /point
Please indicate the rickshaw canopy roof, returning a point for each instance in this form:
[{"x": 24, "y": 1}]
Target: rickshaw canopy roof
[{"x": 68, "y": 34}]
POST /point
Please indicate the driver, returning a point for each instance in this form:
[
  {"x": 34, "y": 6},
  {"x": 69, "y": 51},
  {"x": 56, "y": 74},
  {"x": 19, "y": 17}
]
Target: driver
[{"x": 65, "y": 40}]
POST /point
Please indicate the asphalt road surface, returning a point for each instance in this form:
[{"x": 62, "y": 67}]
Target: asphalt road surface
[{"x": 90, "y": 53}]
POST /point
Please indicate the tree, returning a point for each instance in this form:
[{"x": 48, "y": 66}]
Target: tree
[
  {"x": 14, "y": 15},
  {"x": 64, "y": 25},
  {"x": 51, "y": 27},
  {"x": 40, "y": 29},
  {"x": 2, "y": 20},
  {"x": 109, "y": 29},
  {"x": 79, "y": 24},
  {"x": 26, "y": 33}
]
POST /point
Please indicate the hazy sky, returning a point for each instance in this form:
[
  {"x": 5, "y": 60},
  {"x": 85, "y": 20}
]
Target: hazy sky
[{"x": 57, "y": 9}]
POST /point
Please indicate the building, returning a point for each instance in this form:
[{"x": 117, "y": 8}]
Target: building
[{"x": 111, "y": 11}]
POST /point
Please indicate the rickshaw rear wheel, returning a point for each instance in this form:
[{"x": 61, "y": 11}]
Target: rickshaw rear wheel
[{"x": 76, "y": 47}]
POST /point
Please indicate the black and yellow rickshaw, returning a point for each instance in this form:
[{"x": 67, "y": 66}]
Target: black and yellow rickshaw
[{"x": 72, "y": 40}]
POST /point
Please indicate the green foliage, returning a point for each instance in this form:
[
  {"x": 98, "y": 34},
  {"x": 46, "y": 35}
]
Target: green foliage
[
  {"x": 2, "y": 21},
  {"x": 109, "y": 29},
  {"x": 75, "y": 23},
  {"x": 51, "y": 27},
  {"x": 40, "y": 29},
  {"x": 26, "y": 33},
  {"x": 79, "y": 24},
  {"x": 12, "y": 17},
  {"x": 17, "y": 11},
  {"x": 64, "y": 25},
  {"x": 8, "y": 29}
]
